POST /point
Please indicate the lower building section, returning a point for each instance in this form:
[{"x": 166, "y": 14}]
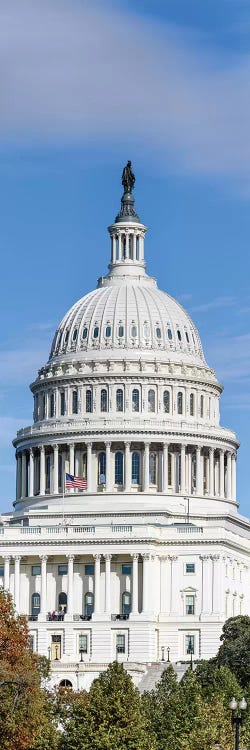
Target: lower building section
[{"x": 79, "y": 652}]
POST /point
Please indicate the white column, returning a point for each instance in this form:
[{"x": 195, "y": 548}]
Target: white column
[
  {"x": 108, "y": 468},
  {"x": 145, "y": 589},
  {"x": 72, "y": 459},
  {"x": 165, "y": 468},
  {"x": 42, "y": 470},
  {"x": 127, "y": 468},
  {"x": 6, "y": 580},
  {"x": 198, "y": 470},
  {"x": 229, "y": 477},
  {"x": 211, "y": 472},
  {"x": 107, "y": 583},
  {"x": 31, "y": 483},
  {"x": 119, "y": 247},
  {"x": 206, "y": 603},
  {"x": 165, "y": 581},
  {"x": 234, "y": 477},
  {"x": 55, "y": 461},
  {"x": 146, "y": 467},
  {"x": 222, "y": 470},
  {"x": 135, "y": 584},
  {"x": 70, "y": 586},
  {"x": 174, "y": 586},
  {"x": 217, "y": 592},
  {"x": 89, "y": 467},
  {"x": 113, "y": 249},
  {"x": 97, "y": 559},
  {"x": 43, "y": 611},
  {"x": 17, "y": 582},
  {"x": 183, "y": 467},
  {"x": 134, "y": 246},
  {"x": 24, "y": 474},
  {"x": 18, "y": 476}
]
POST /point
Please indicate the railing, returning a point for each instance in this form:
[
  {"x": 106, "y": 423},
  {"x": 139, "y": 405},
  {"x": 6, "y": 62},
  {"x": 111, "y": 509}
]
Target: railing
[
  {"x": 119, "y": 529},
  {"x": 32, "y": 618},
  {"x": 119, "y": 617},
  {"x": 76, "y": 618},
  {"x": 51, "y": 617}
]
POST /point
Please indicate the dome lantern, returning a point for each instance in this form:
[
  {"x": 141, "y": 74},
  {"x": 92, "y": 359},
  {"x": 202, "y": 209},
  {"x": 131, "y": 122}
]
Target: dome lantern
[{"x": 127, "y": 233}]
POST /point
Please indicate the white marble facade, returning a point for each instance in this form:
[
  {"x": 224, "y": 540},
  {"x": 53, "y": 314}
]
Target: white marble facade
[{"x": 152, "y": 558}]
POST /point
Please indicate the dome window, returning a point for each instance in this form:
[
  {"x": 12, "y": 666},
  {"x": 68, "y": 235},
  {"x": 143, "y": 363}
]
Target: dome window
[
  {"x": 146, "y": 330},
  {"x": 166, "y": 402},
  {"x": 119, "y": 399},
  {"x": 102, "y": 468},
  {"x": 75, "y": 402},
  {"x": 135, "y": 468},
  {"x": 158, "y": 333},
  {"x": 96, "y": 332},
  {"x": 187, "y": 336},
  {"x": 152, "y": 468},
  {"x": 133, "y": 332},
  {"x": 202, "y": 407},
  {"x": 66, "y": 337},
  {"x": 135, "y": 399},
  {"x": 85, "y": 333},
  {"x": 104, "y": 400},
  {"x": 89, "y": 404},
  {"x": 119, "y": 467},
  {"x": 170, "y": 335},
  {"x": 121, "y": 332},
  {"x": 179, "y": 335},
  {"x": 180, "y": 403},
  {"x": 74, "y": 337},
  {"x": 191, "y": 404},
  {"x": 108, "y": 332},
  {"x": 151, "y": 400}
]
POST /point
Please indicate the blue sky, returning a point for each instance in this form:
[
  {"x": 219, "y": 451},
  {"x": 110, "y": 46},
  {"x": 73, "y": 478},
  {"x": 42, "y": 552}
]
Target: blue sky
[{"x": 85, "y": 85}]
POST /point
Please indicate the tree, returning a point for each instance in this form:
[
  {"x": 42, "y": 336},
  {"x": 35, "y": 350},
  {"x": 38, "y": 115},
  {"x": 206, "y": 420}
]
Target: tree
[
  {"x": 235, "y": 649},
  {"x": 110, "y": 717},
  {"x": 22, "y": 700}
]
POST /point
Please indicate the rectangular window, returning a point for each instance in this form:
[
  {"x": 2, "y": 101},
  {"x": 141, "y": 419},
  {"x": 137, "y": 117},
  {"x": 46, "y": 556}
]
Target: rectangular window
[
  {"x": 190, "y": 568},
  {"x": 83, "y": 643},
  {"x": 36, "y": 570},
  {"x": 75, "y": 402},
  {"x": 126, "y": 570},
  {"x": 62, "y": 570},
  {"x": 62, "y": 403},
  {"x": 89, "y": 570},
  {"x": 1, "y": 571},
  {"x": 120, "y": 644},
  {"x": 190, "y": 604},
  {"x": 189, "y": 644}
]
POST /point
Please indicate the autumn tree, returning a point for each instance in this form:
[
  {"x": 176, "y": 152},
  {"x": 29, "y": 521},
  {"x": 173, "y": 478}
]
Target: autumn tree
[
  {"x": 234, "y": 651},
  {"x": 22, "y": 700}
]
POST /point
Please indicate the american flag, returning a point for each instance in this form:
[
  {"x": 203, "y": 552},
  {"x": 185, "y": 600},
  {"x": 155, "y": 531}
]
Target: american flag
[{"x": 78, "y": 482}]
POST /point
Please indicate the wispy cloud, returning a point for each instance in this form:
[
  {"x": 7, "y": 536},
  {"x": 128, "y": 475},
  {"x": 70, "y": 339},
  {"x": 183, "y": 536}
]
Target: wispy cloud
[
  {"x": 214, "y": 304},
  {"x": 230, "y": 356},
  {"x": 80, "y": 72},
  {"x": 19, "y": 366},
  {"x": 42, "y": 327},
  {"x": 184, "y": 297}
]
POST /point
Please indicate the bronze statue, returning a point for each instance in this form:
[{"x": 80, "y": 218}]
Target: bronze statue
[{"x": 128, "y": 178}]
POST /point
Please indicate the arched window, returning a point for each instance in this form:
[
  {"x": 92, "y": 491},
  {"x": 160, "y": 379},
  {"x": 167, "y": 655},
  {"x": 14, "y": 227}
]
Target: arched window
[
  {"x": 146, "y": 330},
  {"x": 85, "y": 333},
  {"x": 62, "y": 403},
  {"x": 180, "y": 403},
  {"x": 102, "y": 468},
  {"x": 74, "y": 337},
  {"x": 108, "y": 332},
  {"x": 121, "y": 332},
  {"x": 151, "y": 400},
  {"x": 152, "y": 468},
  {"x": 44, "y": 406},
  {"x": 179, "y": 335},
  {"x": 62, "y": 602},
  {"x": 158, "y": 332},
  {"x": 126, "y": 603},
  {"x": 89, "y": 400},
  {"x": 75, "y": 402},
  {"x": 35, "y": 605},
  {"x": 130, "y": 246},
  {"x": 96, "y": 332},
  {"x": 119, "y": 467},
  {"x": 135, "y": 468},
  {"x": 135, "y": 399},
  {"x": 89, "y": 604},
  {"x": 51, "y": 405},
  {"x": 47, "y": 473},
  {"x": 104, "y": 400},
  {"x": 170, "y": 335},
  {"x": 137, "y": 247},
  {"x": 65, "y": 683},
  {"x": 187, "y": 336},
  {"x": 202, "y": 406},
  {"x": 66, "y": 337},
  {"x": 166, "y": 402},
  {"x": 119, "y": 399},
  {"x": 191, "y": 404},
  {"x": 133, "y": 331}
]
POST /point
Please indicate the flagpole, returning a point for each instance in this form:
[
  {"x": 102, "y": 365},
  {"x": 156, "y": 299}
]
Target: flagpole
[{"x": 63, "y": 493}]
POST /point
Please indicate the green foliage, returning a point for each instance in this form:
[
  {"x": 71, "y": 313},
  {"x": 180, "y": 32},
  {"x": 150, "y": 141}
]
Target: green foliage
[
  {"x": 110, "y": 717},
  {"x": 235, "y": 649}
]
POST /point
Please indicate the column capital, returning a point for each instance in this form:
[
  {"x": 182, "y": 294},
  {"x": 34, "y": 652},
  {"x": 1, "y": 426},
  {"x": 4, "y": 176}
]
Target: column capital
[
  {"x": 127, "y": 443},
  {"x": 31, "y": 451},
  {"x": 212, "y": 449},
  {"x": 135, "y": 555},
  {"x": 88, "y": 443},
  {"x": 107, "y": 556},
  {"x": 108, "y": 444},
  {"x": 173, "y": 557},
  {"x": 55, "y": 446},
  {"x": 97, "y": 556},
  {"x": 205, "y": 557},
  {"x": 6, "y": 557},
  {"x": 146, "y": 555},
  {"x": 70, "y": 556},
  {"x": 42, "y": 448},
  {"x": 215, "y": 558},
  {"x": 17, "y": 558},
  {"x": 44, "y": 558}
]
